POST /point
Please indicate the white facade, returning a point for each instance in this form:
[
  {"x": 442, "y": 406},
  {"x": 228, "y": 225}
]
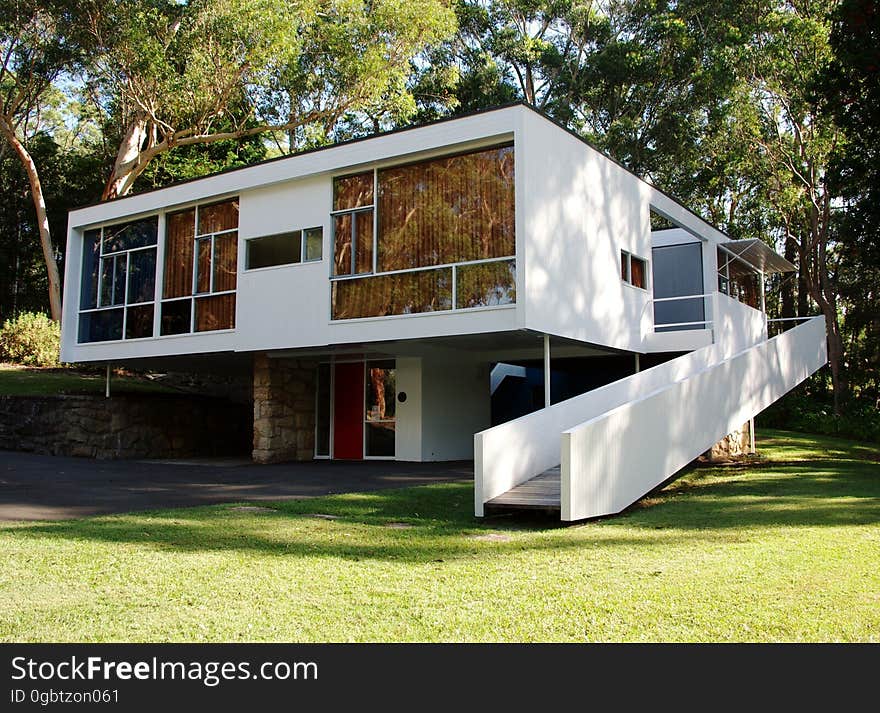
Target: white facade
[{"x": 575, "y": 211}]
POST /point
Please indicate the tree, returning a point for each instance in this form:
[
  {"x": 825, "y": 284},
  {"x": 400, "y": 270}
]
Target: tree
[
  {"x": 38, "y": 42},
  {"x": 170, "y": 74}
]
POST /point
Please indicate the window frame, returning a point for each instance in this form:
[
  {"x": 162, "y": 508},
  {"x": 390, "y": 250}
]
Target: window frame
[
  {"x": 303, "y": 249},
  {"x": 115, "y": 256},
  {"x": 626, "y": 258}
]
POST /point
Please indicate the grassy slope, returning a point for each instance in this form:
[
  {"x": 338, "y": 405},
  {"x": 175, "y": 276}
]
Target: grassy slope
[
  {"x": 27, "y": 381},
  {"x": 789, "y": 550}
]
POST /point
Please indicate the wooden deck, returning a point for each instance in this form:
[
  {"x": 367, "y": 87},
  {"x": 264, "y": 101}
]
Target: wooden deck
[{"x": 543, "y": 492}]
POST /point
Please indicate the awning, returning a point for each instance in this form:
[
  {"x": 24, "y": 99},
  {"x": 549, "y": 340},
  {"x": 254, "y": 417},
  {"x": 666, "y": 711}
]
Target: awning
[{"x": 759, "y": 255}]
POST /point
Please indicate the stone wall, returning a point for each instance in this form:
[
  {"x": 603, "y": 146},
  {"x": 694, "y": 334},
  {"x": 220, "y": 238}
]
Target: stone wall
[
  {"x": 733, "y": 445},
  {"x": 284, "y": 409},
  {"x": 125, "y": 426}
]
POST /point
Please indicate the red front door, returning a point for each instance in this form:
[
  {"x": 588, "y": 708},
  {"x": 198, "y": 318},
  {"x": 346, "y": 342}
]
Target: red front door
[{"x": 348, "y": 412}]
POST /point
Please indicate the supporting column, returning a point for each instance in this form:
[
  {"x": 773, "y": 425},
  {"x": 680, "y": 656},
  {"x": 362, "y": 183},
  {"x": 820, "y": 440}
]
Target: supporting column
[
  {"x": 753, "y": 446},
  {"x": 638, "y": 364},
  {"x": 546, "y": 370},
  {"x": 284, "y": 409},
  {"x": 107, "y": 384}
]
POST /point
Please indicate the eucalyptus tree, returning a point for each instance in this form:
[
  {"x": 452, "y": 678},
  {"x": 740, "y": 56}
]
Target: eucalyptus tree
[
  {"x": 39, "y": 42},
  {"x": 170, "y": 74}
]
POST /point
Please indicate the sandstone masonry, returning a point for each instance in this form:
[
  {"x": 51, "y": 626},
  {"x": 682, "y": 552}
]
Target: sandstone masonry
[{"x": 284, "y": 409}]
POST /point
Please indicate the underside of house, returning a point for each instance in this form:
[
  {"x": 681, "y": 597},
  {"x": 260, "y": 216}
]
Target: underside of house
[{"x": 488, "y": 287}]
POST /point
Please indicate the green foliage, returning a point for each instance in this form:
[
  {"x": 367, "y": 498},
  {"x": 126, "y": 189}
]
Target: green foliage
[
  {"x": 31, "y": 339},
  {"x": 810, "y": 410}
]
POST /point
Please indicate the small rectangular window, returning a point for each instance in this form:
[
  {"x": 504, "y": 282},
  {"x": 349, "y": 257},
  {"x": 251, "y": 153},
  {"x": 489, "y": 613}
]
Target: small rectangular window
[
  {"x": 638, "y": 272},
  {"x": 314, "y": 244},
  {"x": 633, "y": 270}
]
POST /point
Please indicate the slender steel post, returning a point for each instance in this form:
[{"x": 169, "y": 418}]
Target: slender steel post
[
  {"x": 107, "y": 384},
  {"x": 546, "y": 370},
  {"x": 638, "y": 364}
]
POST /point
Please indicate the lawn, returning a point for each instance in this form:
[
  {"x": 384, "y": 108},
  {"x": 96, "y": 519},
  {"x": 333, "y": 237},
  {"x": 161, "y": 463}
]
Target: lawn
[
  {"x": 34, "y": 381},
  {"x": 784, "y": 550}
]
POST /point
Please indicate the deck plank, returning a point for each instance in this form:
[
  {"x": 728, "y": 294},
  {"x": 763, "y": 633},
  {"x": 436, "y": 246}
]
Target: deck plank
[{"x": 544, "y": 491}]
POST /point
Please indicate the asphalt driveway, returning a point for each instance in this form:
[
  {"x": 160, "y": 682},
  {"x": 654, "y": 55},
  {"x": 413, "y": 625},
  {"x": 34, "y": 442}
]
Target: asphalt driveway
[{"x": 36, "y": 487}]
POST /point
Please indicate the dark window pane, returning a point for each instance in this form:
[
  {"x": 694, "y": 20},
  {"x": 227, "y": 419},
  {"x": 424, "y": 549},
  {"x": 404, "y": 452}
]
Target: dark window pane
[
  {"x": 179, "y": 235},
  {"x": 225, "y": 262},
  {"x": 176, "y": 317},
  {"x": 142, "y": 276},
  {"x": 91, "y": 263},
  {"x": 217, "y": 312},
  {"x": 380, "y": 439},
  {"x": 137, "y": 234},
  {"x": 314, "y": 238},
  {"x": 677, "y": 271},
  {"x": 638, "y": 272},
  {"x": 274, "y": 250},
  {"x": 624, "y": 266},
  {"x": 402, "y": 293},
  {"x": 101, "y": 326},
  {"x": 218, "y": 217},
  {"x": 342, "y": 248},
  {"x": 486, "y": 284},
  {"x": 353, "y": 191},
  {"x": 363, "y": 260},
  {"x": 447, "y": 210},
  {"x": 380, "y": 393},
  {"x": 322, "y": 415},
  {"x": 203, "y": 266},
  {"x": 139, "y": 322},
  {"x": 112, "y": 280}
]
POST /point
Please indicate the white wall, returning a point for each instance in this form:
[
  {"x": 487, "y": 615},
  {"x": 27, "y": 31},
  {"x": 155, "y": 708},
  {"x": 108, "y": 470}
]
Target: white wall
[
  {"x": 409, "y": 414},
  {"x": 620, "y": 455},
  {"x": 579, "y": 211},
  {"x": 455, "y": 405}
]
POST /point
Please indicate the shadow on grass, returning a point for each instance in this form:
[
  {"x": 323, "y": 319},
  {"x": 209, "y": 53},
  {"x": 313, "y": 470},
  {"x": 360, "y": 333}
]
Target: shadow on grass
[{"x": 432, "y": 523}]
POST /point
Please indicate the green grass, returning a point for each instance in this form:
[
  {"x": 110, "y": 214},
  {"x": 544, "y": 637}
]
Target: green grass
[
  {"x": 784, "y": 550},
  {"x": 33, "y": 381}
]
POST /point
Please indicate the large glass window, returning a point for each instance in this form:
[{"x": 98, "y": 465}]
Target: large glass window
[
  {"x": 118, "y": 287},
  {"x": 445, "y": 236},
  {"x": 200, "y": 272},
  {"x": 380, "y": 411}
]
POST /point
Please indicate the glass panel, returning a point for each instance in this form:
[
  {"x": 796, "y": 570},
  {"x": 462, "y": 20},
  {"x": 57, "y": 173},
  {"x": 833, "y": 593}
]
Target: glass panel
[
  {"x": 381, "y": 391},
  {"x": 139, "y": 322},
  {"x": 91, "y": 262},
  {"x": 218, "y": 217},
  {"x": 401, "y": 293},
  {"x": 638, "y": 272},
  {"x": 342, "y": 247},
  {"x": 380, "y": 439},
  {"x": 142, "y": 276},
  {"x": 203, "y": 265},
  {"x": 112, "y": 280},
  {"x": 225, "y": 261},
  {"x": 137, "y": 234},
  {"x": 176, "y": 317},
  {"x": 274, "y": 250},
  {"x": 179, "y": 234},
  {"x": 353, "y": 191},
  {"x": 678, "y": 271},
  {"x": 624, "y": 266},
  {"x": 217, "y": 312},
  {"x": 314, "y": 238},
  {"x": 447, "y": 210},
  {"x": 490, "y": 283},
  {"x": 101, "y": 326},
  {"x": 363, "y": 259},
  {"x": 322, "y": 412}
]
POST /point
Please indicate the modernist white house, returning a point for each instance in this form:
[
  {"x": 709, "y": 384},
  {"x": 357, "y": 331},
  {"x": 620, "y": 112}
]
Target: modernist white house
[{"x": 386, "y": 294}]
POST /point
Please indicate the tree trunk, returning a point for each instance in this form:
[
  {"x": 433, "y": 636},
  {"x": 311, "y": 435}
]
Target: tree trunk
[
  {"x": 42, "y": 218},
  {"x": 803, "y": 292},
  {"x": 839, "y": 384},
  {"x": 129, "y": 164},
  {"x": 787, "y": 287}
]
